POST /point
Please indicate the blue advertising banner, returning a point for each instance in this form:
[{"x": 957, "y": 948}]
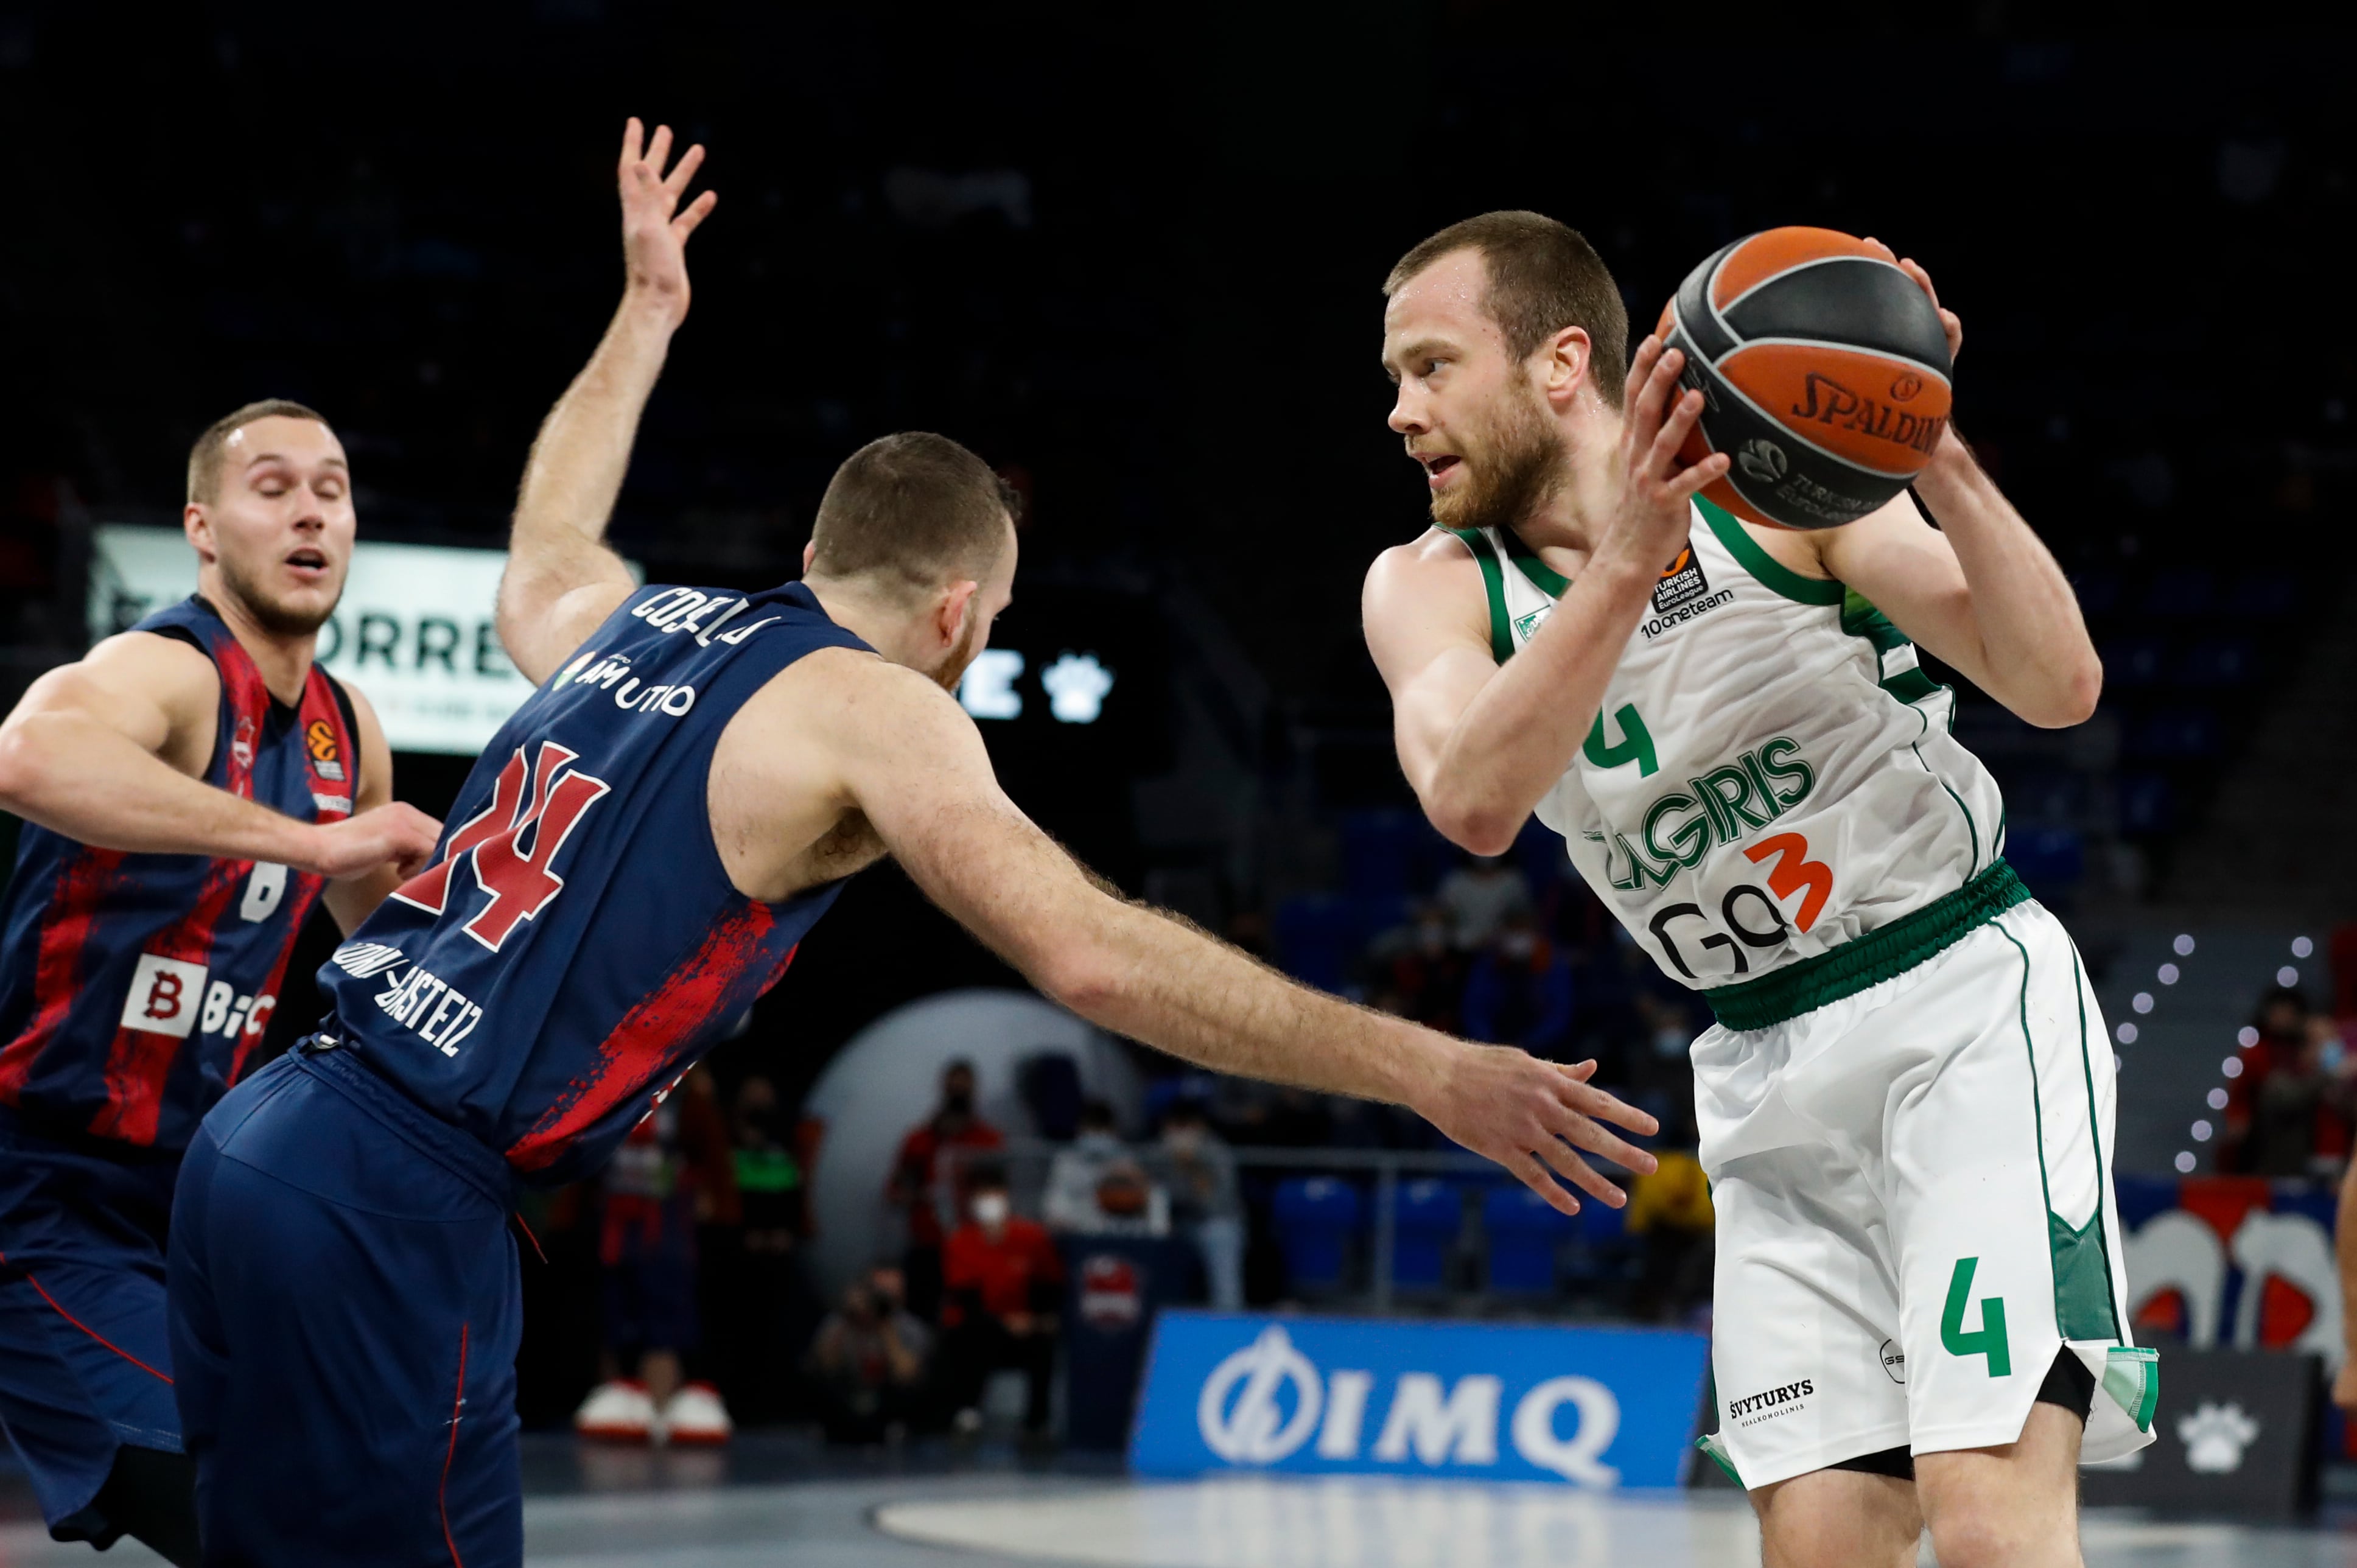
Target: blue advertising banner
[{"x": 1597, "y": 1407}]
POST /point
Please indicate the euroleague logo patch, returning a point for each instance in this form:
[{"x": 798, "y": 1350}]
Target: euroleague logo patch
[
  {"x": 327, "y": 761},
  {"x": 1682, "y": 581}
]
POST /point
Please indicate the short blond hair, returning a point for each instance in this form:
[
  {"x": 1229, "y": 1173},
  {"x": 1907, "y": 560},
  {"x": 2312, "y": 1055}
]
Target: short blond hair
[{"x": 204, "y": 457}]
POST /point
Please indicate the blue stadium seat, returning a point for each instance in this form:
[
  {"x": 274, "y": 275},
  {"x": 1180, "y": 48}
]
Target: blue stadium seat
[
  {"x": 2218, "y": 663},
  {"x": 1526, "y": 1234},
  {"x": 1379, "y": 854},
  {"x": 2261, "y": 594},
  {"x": 2049, "y": 795},
  {"x": 2051, "y": 860},
  {"x": 2132, "y": 662},
  {"x": 2186, "y": 593},
  {"x": 2147, "y": 804},
  {"x": 1317, "y": 1222},
  {"x": 2099, "y": 591},
  {"x": 1427, "y": 1217},
  {"x": 1317, "y": 939},
  {"x": 2174, "y": 735}
]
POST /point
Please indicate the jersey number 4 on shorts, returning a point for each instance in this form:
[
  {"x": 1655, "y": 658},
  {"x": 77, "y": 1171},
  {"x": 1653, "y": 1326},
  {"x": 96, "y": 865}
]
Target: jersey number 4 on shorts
[{"x": 1988, "y": 1339}]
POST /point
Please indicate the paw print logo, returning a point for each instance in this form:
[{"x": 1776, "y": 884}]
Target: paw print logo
[
  {"x": 1076, "y": 685},
  {"x": 2215, "y": 1436}
]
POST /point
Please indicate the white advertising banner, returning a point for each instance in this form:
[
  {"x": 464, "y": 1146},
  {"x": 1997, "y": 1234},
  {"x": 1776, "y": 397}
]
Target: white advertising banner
[{"x": 414, "y": 629}]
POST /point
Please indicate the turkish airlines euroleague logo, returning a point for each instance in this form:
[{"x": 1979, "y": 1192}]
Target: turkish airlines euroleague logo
[
  {"x": 327, "y": 759},
  {"x": 1682, "y": 581},
  {"x": 518, "y": 879}
]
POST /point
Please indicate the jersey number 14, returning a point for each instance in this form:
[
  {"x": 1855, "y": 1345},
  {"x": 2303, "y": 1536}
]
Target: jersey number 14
[{"x": 518, "y": 880}]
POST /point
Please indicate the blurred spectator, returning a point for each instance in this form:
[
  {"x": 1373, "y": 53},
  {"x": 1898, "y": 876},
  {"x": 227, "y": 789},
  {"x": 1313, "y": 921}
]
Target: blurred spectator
[
  {"x": 1420, "y": 972},
  {"x": 673, "y": 1170},
  {"x": 913, "y": 1187},
  {"x": 2289, "y": 1113},
  {"x": 1478, "y": 896},
  {"x": 1519, "y": 990},
  {"x": 869, "y": 1362},
  {"x": 1097, "y": 1188},
  {"x": 1203, "y": 1201},
  {"x": 1664, "y": 1070},
  {"x": 1670, "y": 1214},
  {"x": 1001, "y": 1282},
  {"x": 775, "y": 1204}
]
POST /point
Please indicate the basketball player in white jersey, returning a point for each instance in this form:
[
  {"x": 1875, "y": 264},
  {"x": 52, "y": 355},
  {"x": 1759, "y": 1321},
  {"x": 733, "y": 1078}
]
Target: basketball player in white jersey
[{"x": 1905, "y": 1104}]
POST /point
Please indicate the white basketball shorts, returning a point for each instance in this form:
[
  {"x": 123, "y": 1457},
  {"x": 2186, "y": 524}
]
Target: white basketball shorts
[{"x": 1915, "y": 1212}]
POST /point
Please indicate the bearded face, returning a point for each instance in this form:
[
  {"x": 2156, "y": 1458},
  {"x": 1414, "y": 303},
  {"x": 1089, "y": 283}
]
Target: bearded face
[{"x": 1509, "y": 456}]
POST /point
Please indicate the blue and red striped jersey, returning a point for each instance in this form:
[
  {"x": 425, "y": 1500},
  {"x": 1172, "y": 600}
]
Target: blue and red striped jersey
[
  {"x": 576, "y": 943},
  {"x": 133, "y": 988}
]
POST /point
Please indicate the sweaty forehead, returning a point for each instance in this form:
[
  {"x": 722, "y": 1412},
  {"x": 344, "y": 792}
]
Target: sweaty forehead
[
  {"x": 1446, "y": 298},
  {"x": 293, "y": 440}
]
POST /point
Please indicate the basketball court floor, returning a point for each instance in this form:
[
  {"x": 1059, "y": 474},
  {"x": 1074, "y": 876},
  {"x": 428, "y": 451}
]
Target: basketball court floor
[{"x": 779, "y": 1503}]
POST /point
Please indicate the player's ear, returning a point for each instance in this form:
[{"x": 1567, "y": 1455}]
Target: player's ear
[
  {"x": 956, "y": 608},
  {"x": 199, "y": 530},
  {"x": 810, "y": 553},
  {"x": 1565, "y": 363}
]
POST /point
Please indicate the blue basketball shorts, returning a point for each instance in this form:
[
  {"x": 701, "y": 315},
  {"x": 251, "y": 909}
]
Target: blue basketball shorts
[
  {"x": 344, "y": 1318},
  {"x": 85, "y": 1364}
]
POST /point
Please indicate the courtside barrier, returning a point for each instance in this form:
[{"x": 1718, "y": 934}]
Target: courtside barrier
[{"x": 1595, "y": 1407}]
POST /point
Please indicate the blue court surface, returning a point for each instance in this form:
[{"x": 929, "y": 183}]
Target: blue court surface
[{"x": 783, "y": 1502}]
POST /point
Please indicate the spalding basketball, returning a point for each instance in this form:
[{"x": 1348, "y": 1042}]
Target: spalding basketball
[{"x": 1824, "y": 371}]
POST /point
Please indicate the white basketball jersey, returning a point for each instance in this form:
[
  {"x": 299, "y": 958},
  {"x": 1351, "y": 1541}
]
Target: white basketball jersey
[{"x": 1771, "y": 775}]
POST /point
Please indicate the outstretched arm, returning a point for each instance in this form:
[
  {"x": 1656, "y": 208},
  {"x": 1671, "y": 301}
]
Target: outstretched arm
[
  {"x": 108, "y": 751},
  {"x": 910, "y": 759},
  {"x": 1484, "y": 745},
  {"x": 561, "y": 580},
  {"x": 1980, "y": 591}
]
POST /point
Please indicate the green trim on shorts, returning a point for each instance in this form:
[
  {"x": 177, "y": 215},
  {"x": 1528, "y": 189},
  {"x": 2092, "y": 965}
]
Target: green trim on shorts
[
  {"x": 2095, "y": 1141},
  {"x": 1709, "y": 1444},
  {"x": 2132, "y": 1379},
  {"x": 1867, "y": 962}
]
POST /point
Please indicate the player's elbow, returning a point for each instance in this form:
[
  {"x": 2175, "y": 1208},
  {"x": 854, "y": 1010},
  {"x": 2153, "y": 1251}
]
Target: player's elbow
[
  {"x": 1475, "y": 826},
  {"x": 2069, "y": 698},
  {"x": 1078, "y": 976}
]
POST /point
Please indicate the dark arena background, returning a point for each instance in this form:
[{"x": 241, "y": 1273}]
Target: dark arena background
[{"x": 1133, "y": 258}]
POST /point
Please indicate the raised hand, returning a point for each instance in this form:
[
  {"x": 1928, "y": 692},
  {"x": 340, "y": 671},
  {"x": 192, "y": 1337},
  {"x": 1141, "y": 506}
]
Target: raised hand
[
  {"x": 396, "y": 834},
  {"x": 654, "y": 226},
  {"x": 1533, "y": 1117},
  {"x": 1650, "y": 522}
]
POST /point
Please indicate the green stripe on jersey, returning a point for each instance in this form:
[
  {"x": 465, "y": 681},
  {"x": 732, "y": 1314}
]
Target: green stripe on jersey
[
  {"x": 1771, "y": 573},
  {"x": 1502, "y": 634}
]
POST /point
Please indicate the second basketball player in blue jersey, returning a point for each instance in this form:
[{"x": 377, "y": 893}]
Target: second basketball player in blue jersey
[{"x": 631, "y": 864}]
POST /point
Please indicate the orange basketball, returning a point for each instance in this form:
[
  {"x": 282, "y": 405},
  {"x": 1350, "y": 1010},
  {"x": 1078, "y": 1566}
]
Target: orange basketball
[{"x": 1824, "y": 371}]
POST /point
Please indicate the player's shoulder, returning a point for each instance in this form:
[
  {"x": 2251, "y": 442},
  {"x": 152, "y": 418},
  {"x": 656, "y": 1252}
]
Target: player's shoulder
[
  {"x": 847, "y": 699},
  {"x": 1435, "y": 574},
  {"x": 157, "y": 663}
]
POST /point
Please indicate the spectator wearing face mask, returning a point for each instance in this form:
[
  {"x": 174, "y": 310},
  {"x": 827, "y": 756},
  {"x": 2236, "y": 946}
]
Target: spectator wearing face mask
[
  {"x": 1002, "y": 1280},
  {"x": 1519, "y": 990},
  {"x": 914, "y": 1187},
  {"x": 869, "y": 1361},
  {"x": 1419, "y": 967},
  {"x": 1097, "y": 1188},
  {"x": 1201, "y": 1175}
]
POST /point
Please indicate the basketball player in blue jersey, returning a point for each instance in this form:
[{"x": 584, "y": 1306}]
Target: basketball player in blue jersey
[
  {"x": 189, "y": 789},
  {"x": 631, "y": 865}
]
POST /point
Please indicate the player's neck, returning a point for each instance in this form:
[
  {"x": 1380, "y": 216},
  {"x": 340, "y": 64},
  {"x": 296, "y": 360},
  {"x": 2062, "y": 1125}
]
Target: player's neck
[
  {"x": 880, "y": 621},
  {"x": 1575, "y": 515},
  {"x": 283, "y": 659}
]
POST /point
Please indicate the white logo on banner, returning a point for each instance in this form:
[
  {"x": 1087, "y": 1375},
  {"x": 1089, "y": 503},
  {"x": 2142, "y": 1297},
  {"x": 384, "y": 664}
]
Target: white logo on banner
[
  {"x": 1261, "y": 1404},
  {"x": 1253, "y": 1432},
  {"x": 2215, "y": 1436}
]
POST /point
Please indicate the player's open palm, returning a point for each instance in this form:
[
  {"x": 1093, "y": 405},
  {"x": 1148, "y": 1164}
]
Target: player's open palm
[
  {"x": 1656, "y": 487},
  {"x": 397, "y": 834},
  {"x": 654, "y": 226},
  {"x": 1533, "y": 1116}
]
